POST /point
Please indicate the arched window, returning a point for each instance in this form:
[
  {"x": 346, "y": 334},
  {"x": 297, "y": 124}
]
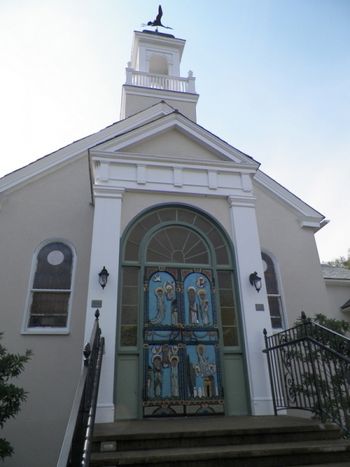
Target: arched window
[
  {"x": 51, "y": 288},
  {"x": 273, "y": 292},
  {"x": 179, "y": 321},
  {"x": 177, "y": 241}
]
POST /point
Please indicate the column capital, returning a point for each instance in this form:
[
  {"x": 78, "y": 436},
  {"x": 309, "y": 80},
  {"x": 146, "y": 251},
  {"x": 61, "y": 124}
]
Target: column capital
[
  {"x": 103, "y": 191},
  {"x": 241, "y": 201}
]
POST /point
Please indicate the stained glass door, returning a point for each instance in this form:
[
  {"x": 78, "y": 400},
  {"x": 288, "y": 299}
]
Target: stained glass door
[{"x": 181, "y": 340}]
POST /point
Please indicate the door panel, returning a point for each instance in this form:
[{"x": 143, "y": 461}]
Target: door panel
[{"x": 181, "y": 339}]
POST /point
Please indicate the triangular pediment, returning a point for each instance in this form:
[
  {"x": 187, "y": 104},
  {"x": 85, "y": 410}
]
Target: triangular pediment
[
  {"x": 173, "y": 136},
  {"x": 148, "y": 133},
  {"x": 173, "y": 144}
]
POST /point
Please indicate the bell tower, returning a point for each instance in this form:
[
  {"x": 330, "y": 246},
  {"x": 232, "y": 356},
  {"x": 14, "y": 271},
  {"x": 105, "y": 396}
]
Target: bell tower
[{"x": 153, "y": 75}]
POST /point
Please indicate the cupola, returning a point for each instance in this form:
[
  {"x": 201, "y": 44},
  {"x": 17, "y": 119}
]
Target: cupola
[{"x": 153, "y": 75}]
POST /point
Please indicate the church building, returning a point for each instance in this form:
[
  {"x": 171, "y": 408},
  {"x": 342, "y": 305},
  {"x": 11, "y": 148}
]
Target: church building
[{"x": 198, "y": 249}]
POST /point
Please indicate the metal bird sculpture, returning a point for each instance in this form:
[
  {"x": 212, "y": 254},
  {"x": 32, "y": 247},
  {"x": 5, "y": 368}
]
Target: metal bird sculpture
[{"x": 157, "y": 22}]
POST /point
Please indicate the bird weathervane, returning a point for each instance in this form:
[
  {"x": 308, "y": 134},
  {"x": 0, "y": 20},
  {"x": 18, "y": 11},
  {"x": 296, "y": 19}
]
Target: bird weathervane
[{"x": 158, "y": 21}]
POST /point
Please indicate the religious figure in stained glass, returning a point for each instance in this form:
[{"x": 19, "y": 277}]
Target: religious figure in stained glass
[
  {"x": 174, "y": 367},
  {"x": 203, "y": 306},
  {"x": 203, "y": 380},
  {"x": 181, "y": 369},
  {"x": 198, "y": 306},
  {"x": 162, "y": 308},
  {"x": 163, "y": 371},
  {"x": 174, "y": 312},
  {"x": 193, "y": 306},
  {"x": 157, "y": 376}
]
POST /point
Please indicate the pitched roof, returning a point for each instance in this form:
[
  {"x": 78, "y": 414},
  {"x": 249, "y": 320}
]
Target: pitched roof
[
  {"x": 136, "y": 125},
  {"x": 335, "y": 272}
]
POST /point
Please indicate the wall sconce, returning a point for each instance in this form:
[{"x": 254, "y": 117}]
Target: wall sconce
[
  {"x": 103, "y": 277},
  {"x": 255, "y": 280}
]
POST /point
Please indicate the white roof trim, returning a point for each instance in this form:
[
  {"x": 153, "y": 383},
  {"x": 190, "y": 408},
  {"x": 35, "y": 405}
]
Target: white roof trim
[
  {"x": 120, "y": 156},
  {"x": 341, "y": 282},
  {"x": 186, "y": 126},
  {"x": 310, "y": 217}
]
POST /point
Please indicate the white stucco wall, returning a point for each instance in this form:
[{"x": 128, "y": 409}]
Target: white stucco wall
[
  {"x": 56, "y": 206},
  {"x": 136, "y": 99},
  {"x": 295, "y": 252},
  {"x": 338, "y": 294}
]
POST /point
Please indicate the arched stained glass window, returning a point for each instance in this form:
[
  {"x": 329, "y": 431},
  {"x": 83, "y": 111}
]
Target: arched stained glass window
[
  {"x": 273, "y": 293},
  {"x": 51, "y": 288},
  {"x": 182, "y": 238}
]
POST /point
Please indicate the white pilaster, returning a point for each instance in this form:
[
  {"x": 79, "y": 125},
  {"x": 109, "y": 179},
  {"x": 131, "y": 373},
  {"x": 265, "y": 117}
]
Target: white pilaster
[
  {"x": 105, "y": 252},
  {"x": 255, "y": 310}
]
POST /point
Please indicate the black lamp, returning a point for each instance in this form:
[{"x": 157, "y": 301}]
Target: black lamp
[
  {"x": 103, "y": 277},
  {"x": 255, "y": 280}
]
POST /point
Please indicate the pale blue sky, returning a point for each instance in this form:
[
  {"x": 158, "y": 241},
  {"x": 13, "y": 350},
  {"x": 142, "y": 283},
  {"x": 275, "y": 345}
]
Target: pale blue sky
[{"x": 274, "y": 80}]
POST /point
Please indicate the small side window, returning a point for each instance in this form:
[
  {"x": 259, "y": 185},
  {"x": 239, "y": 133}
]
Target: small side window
[
  {"x": 273, "y": 293},
  {"x": 51, "y": 289}
]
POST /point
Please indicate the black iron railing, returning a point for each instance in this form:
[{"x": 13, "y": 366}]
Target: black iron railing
[
  {"x": 76, "y": 446},
  {"x": 309, "y": 368}
]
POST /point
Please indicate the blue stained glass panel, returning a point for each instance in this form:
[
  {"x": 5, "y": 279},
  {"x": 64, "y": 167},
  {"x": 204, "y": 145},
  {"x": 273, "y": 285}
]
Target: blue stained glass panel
[
  {"x": 163, "y": 371},
  {"x": 202, "y": 372},
  {"x": 198, "y": 306},
  {"x": 162, "y": 306}
]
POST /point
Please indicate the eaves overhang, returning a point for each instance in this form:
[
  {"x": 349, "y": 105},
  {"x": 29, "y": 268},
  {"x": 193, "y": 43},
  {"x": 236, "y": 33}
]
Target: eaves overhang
[
  {"x": 338, "y": 282},
  {"x": 308, "y": 216}
]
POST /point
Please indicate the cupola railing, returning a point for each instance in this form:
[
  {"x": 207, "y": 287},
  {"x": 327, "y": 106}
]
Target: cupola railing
[
  {"x": 76, "y": 446},
  {"x": 158, "y": 81},
  {"x": 309, "y": 368}
]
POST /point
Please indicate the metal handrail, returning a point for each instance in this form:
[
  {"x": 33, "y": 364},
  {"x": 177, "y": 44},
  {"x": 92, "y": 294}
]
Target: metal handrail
[
  {"x": 76, "y": 446},
  {"x": 309, "y": 368}
]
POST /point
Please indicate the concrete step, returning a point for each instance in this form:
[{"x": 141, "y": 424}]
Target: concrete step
[
  {"x": 209, "y": 431},
  {"x": 254, "y": 455},
  {"x": 220, "y": 441}
]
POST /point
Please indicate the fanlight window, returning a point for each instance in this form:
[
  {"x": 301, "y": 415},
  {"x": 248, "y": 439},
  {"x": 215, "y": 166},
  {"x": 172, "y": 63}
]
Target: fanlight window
[
  {"x": 176, "y": 215},
  {"x": 273, "y": 294},
  {"x": 177, "y": 245},
  {"x": 51, "y": 289}
]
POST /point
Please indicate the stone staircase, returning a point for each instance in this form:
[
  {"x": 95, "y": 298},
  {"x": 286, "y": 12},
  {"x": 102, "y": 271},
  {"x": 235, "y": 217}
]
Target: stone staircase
[{"x": 220, "y": 441}]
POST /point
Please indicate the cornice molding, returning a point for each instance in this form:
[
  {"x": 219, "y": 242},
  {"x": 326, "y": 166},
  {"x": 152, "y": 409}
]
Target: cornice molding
[
  {"x": 166, "y": 176},
  {"x": 178, "y": 161}
]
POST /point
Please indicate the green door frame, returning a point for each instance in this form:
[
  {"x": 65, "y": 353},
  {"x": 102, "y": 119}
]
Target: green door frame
[{"x": 229, "y": 355}]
